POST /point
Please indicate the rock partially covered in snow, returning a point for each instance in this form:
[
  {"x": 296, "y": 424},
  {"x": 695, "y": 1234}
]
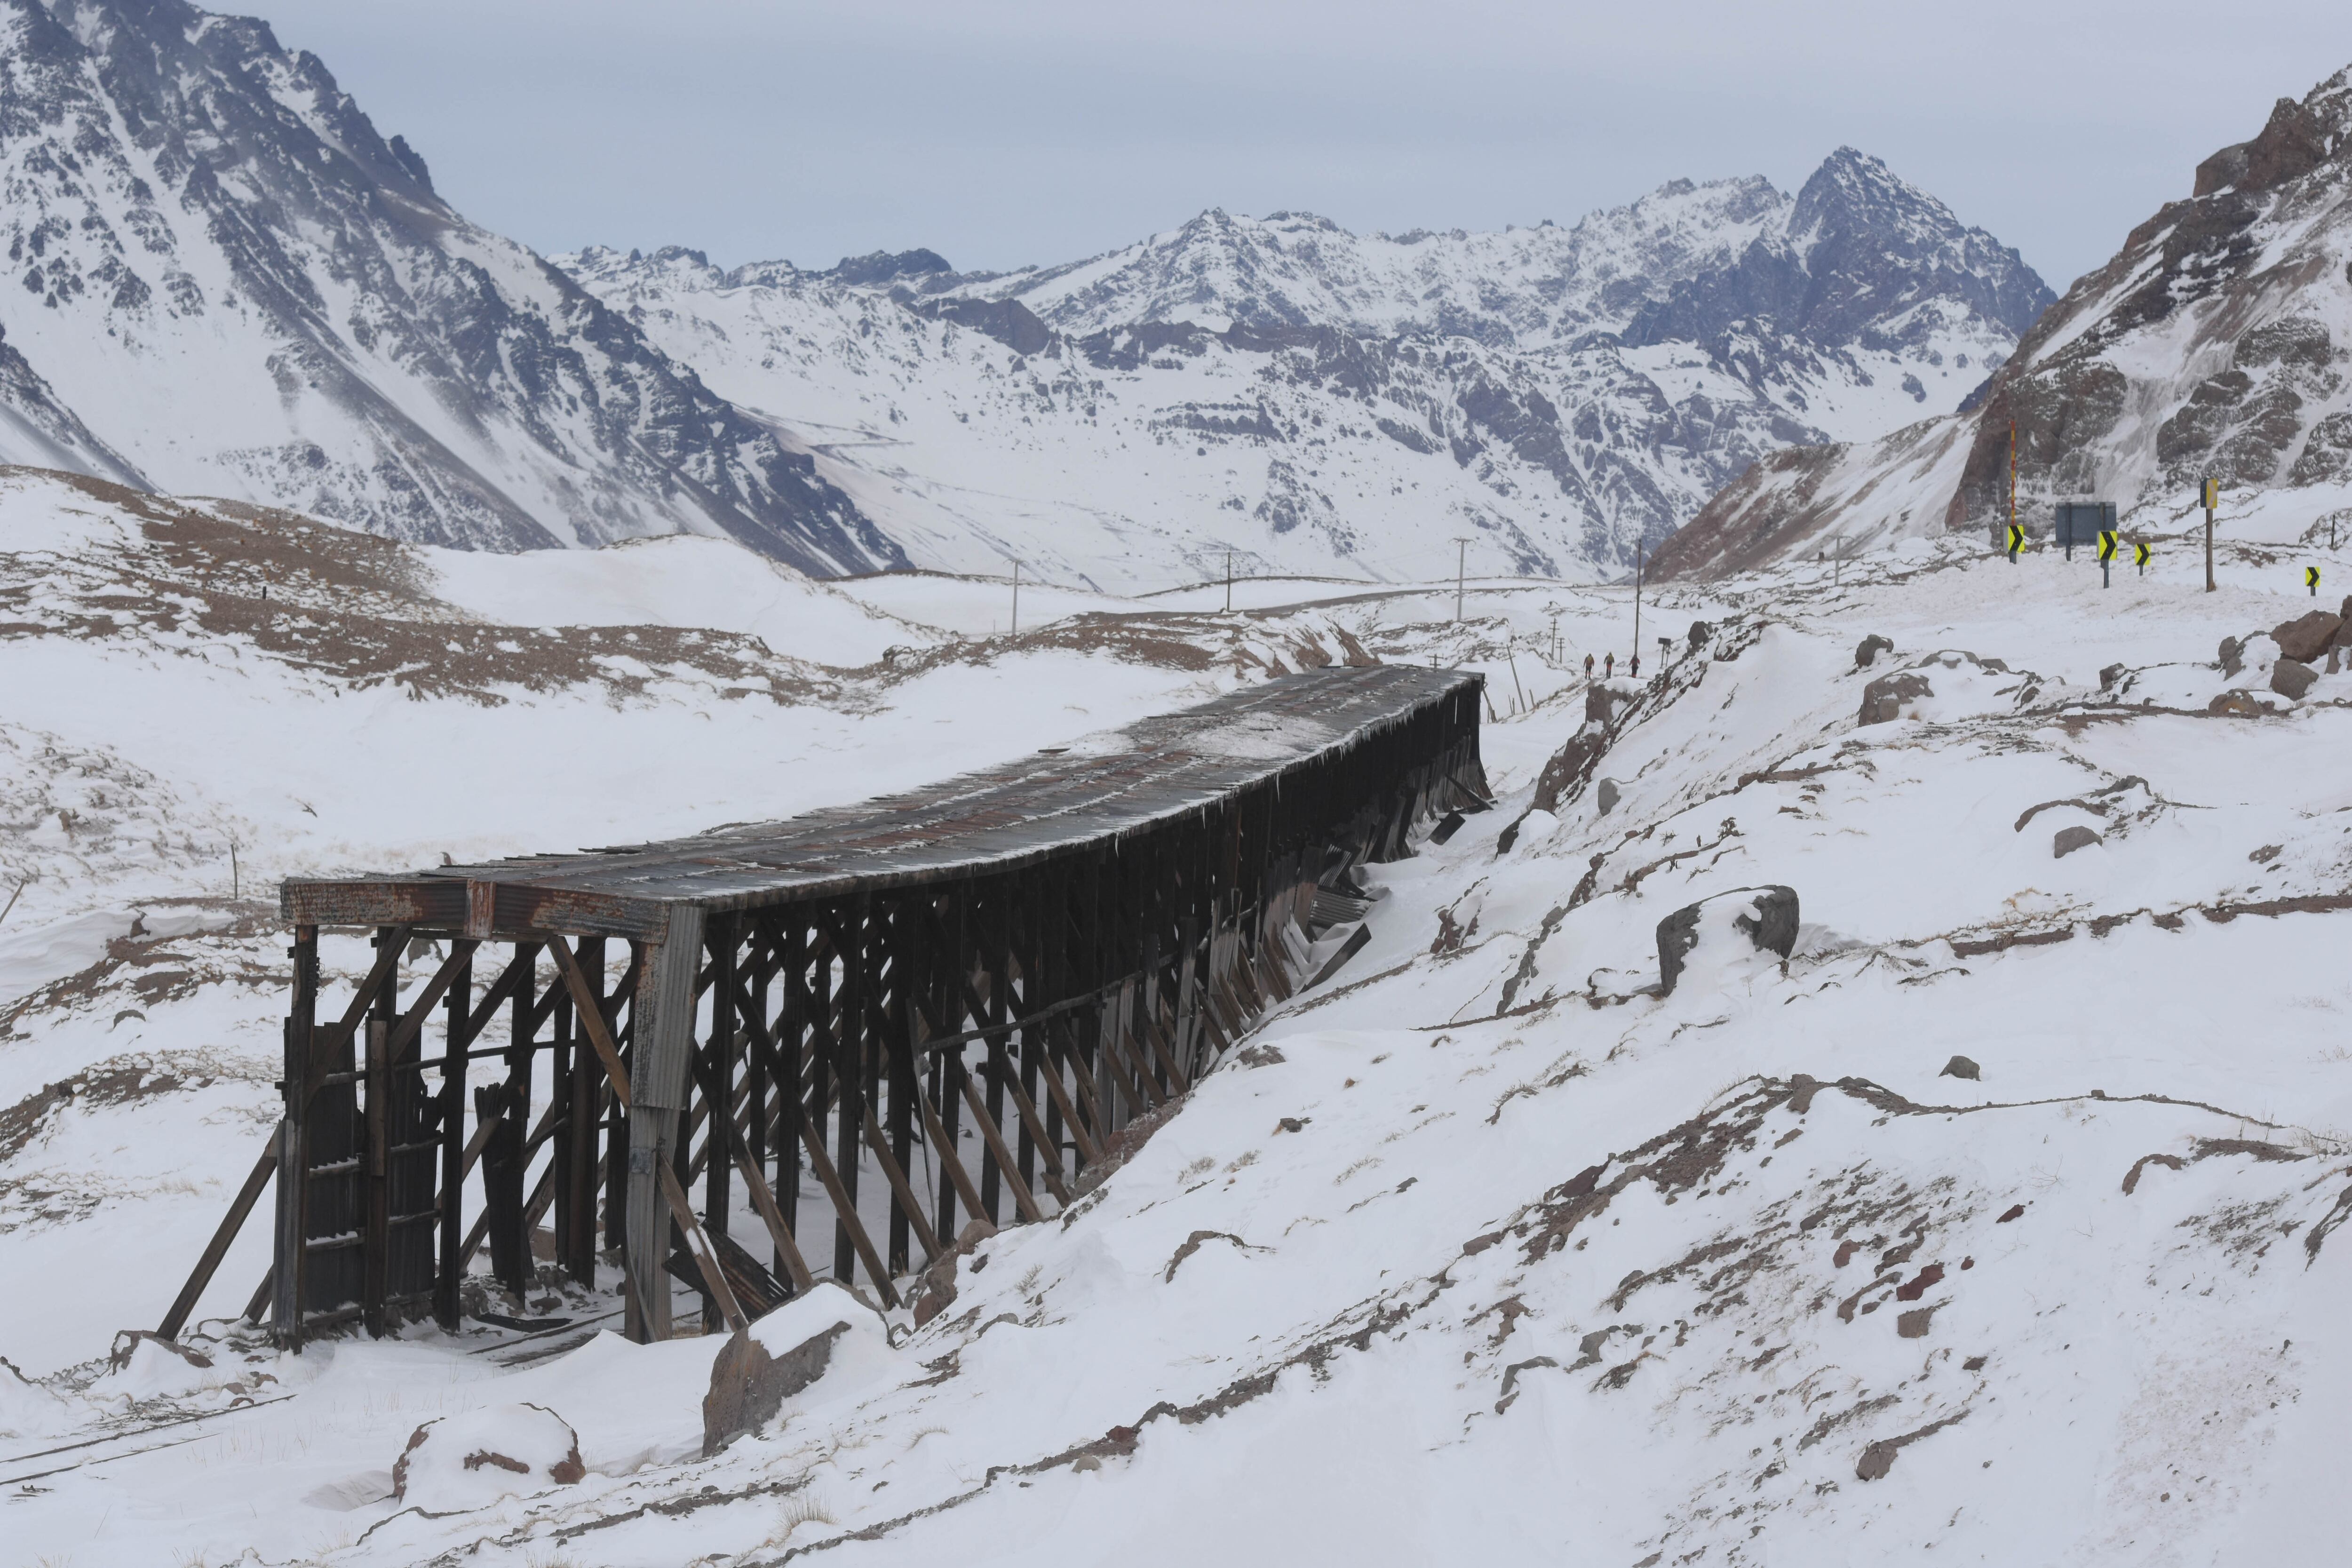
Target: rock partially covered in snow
[
  {"x": 1762, "y": 919},
  {"x": 2307, "y": 637},
  {"x": 783, "y": 1354},
  {"x": 2290, "y": 678},
  {"x": 471, "y": 1460},
  {"x": 1872, "y": 647},
  {"x": 1884, "y": 700},
  {"x": 1606, "y": 794},
  {"x": 2066, "y": 840}
]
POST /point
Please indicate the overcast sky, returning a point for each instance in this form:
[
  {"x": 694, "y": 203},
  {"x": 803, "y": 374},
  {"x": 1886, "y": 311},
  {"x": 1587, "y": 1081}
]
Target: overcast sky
[{"x": 1004, "y": 134}]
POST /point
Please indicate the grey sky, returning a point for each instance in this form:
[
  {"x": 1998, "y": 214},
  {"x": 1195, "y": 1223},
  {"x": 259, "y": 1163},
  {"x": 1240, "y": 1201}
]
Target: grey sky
[{"x": 999, "y": 134}]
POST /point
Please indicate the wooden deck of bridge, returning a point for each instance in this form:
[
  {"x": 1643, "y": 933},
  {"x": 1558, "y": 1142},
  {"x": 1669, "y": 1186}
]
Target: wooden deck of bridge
[{"x": 944, "y": 1005}]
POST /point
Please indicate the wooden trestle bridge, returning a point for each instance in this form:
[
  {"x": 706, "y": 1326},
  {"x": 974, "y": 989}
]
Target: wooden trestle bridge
[{"x": 1037, "y": 953}]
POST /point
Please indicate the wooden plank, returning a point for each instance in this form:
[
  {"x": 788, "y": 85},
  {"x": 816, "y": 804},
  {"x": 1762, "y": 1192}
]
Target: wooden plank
[
  {"x": 901, "y": 1194},
  {"x": 376, "y": 1233},
  {"x": 449, "y": 1277},
  {"x": 706, "y": 1257},
  {"x": 590, "y": 1014},
  {"x": 184, "y": 1303},
  {"x": 1088, "y": 1150},
  {"x": 944, "y": 1141},
  {"x": 1023, "y": 1198},
  {"x": 845, "y": 1211},
  {"x": 1051, "y": 1171}
]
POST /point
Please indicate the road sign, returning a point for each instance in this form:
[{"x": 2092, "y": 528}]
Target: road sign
[
  {"x": 2209, "y": 494},
  {"x": 2141, "y": 552},
  {"x": 2311, "y": 580},
  {"x": 2106, "y": 545},
  {"x": 2016, "y": 540}
]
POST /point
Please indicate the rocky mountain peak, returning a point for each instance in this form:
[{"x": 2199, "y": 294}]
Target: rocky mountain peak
[
  {"x": 228, "y": 282},
  {"x": 2299, "y": 137}
]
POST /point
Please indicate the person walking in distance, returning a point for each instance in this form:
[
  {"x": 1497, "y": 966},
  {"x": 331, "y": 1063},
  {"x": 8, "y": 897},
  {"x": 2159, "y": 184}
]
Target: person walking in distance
[
  {"x": 1609, "y": 669},
  {"x": 1588, "y": 668},
  {"x": 1634, "y": 665}
]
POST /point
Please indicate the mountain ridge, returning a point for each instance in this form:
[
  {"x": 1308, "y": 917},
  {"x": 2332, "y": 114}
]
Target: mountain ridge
[
  {"x": 2217, "y": 341},
  {"x": 1518, "y": 387},
  {"x": 236, "y": 286}
]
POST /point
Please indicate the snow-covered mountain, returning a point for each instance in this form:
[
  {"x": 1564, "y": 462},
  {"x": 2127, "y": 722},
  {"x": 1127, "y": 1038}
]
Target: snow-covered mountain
[
  {"x": 2217, "y": 341},
  {"x": 222, "y": 281},
  {"x": 1313, "y": 399}
]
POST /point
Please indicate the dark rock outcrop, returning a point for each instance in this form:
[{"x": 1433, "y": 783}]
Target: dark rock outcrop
[
  {"x": 1770, "y": 922},
  {"x": 2069, "y": 840},
  {"x": 1883, "y": 699}
]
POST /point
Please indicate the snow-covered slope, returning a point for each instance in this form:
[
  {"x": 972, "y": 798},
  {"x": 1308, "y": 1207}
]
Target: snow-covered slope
[
  {"x": 222, "y": 281},
  {"x": 1312, "y": 399},
  {"x": 1484, "y": 1250},
  {"x": 2217, "y": 341}
]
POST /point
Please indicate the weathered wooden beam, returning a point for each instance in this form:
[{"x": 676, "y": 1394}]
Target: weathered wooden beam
[
  {"x": 176, "y": 1318},
  {"x": 993, "y": 1136}
]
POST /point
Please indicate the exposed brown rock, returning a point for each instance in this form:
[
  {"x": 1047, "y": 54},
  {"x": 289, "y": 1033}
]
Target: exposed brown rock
[
  {"x": 2069, "y": 840},
  {"x": 2291, "y": 679},
  {"x": 1883, "y": 699},
  {"x": 2305, "y": 637}
]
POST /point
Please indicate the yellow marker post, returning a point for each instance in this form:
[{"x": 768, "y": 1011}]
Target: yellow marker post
[
  {"x": 2016, "y": 542},
  {"x": 2107, "y": 555},
  {"x": 2141, "y": 552},
  {"x": 2311, "y": 580}
]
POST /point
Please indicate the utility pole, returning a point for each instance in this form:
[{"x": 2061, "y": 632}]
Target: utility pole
[
  {"x": 1461, "y": 563},
  {"x": 1229, "y": 582},
  {"x": 1637, "y": 600},
  {"x": 1017, "y": 598},
  {"x": 2209, "y": 492}
]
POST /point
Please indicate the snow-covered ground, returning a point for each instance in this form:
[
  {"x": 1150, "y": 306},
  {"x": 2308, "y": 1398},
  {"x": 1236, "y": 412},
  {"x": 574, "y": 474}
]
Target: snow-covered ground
[{"x": 1482, "y": 1252}]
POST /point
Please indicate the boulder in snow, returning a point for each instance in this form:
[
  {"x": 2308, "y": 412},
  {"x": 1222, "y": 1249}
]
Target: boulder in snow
[
  {"x": 1699, "y": 632},
  {"x": 2069, "y": 840},
  {"x": 785, "y": 1353},
  {"x": 1763, "y": 919},
  {"x": 1960, "y": 1067},
  {"x": 2239, "y": 704},
  {"x": 2290, "y": 678},
  {"x": 1884, "y": 698},
  {"x": 2305, "y": 637},
  {"x": 1606, "y": 796},
  {"x": 1872, "y": 647},
  {"x": 472, "y": 1459}
]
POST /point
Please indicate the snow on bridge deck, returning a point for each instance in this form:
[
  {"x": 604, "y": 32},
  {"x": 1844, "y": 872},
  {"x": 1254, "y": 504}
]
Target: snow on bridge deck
[{"x": 1100, "y": 788}]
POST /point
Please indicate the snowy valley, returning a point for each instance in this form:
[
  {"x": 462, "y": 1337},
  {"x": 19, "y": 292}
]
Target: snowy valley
[{"x": 1482, "y": 1246}]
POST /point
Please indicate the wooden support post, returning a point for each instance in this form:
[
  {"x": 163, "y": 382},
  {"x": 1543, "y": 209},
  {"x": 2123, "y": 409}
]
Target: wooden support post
[
  {"x": 787, "y": 1067},
  {"x": 450, "y": 1272},
  {"x": 293, "y": 1144},
  {"x": 375, "y": 1236},
  {"x": 662, "y": 1019}
]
